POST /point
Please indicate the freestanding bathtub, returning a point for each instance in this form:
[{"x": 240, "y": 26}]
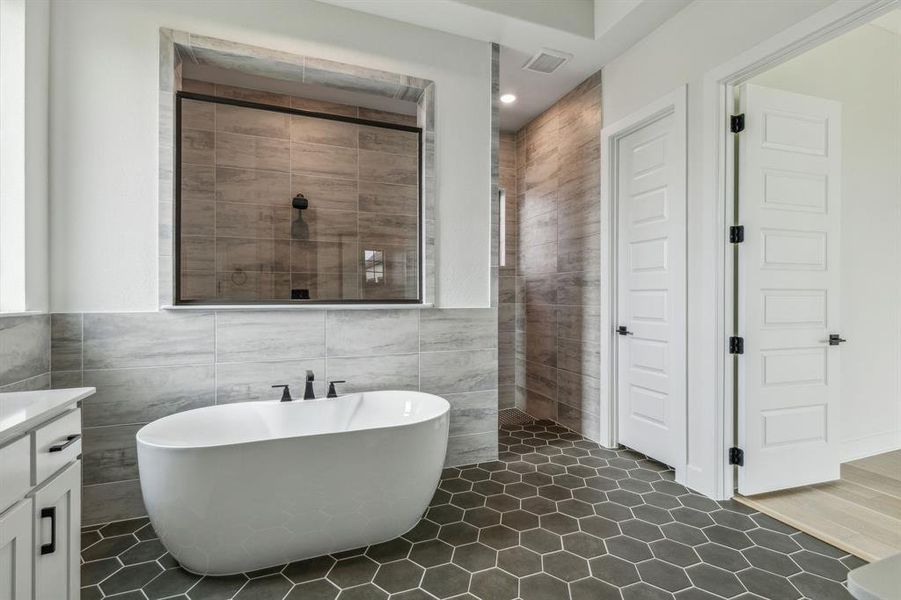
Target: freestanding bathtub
[{"x": 238, "y": 487}]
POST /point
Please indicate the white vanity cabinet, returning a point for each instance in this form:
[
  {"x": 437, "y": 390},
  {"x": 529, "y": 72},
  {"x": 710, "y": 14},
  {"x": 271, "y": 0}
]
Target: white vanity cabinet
[{"x": 40, "y": 494}]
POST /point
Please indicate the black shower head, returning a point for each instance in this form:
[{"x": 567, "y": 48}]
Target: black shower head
[{"x": 300, "y": 202}]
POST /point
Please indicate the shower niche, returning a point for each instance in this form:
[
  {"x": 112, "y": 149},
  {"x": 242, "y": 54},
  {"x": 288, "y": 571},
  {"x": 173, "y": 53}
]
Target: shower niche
[{"x": 283, "y": 198}]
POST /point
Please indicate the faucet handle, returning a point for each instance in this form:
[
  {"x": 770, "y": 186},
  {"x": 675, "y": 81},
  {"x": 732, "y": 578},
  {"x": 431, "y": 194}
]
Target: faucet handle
[
  {"x": 286, "y": 392},
  {"x": 310, "y": 376},
  {"x": 331, "y": 388}
]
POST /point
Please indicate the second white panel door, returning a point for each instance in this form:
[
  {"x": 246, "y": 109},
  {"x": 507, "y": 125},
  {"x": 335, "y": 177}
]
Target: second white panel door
[{"x": 651, "y": 304}]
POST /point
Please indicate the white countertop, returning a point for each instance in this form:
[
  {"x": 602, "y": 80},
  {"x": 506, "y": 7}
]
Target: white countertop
[{"x": 19, "y": 411}]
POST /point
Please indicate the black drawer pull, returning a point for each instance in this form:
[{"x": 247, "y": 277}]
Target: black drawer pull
[
  {"x": 70, "y": 439},
  {"x": 49, "y": 513}
]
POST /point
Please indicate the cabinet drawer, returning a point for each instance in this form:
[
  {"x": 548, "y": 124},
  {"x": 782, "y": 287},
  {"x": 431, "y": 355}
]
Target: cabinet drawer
[
  {"x": 15, "y": 471},
  {"x": 56, "y": 444}
]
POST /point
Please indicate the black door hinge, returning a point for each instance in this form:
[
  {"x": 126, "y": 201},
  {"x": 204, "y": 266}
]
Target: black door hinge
[
  {"x": 736, "y": 345},
  {"x": 737, "y": 457},
  {"x": 736, "y": 234},
  {"x": 737, "y": 123}
]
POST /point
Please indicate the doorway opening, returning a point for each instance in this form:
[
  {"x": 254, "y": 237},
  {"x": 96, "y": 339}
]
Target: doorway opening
[{"x": 817, "y": 283}]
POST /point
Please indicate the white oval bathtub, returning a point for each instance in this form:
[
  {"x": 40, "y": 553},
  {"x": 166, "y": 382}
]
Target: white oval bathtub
[{"x": 238, "y": 487}]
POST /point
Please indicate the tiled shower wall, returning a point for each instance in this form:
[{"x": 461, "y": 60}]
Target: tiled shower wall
[
  {"x": 558, "y": 244},
  {"x": 506, "y": 330},
  {"x": 24, "y": 353},
  {"x": 148, "y": 365},
  {"x": 240, "y": 237}
]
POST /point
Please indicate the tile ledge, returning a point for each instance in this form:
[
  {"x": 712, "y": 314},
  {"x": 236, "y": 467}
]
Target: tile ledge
[{"x": 277, "y": 307}]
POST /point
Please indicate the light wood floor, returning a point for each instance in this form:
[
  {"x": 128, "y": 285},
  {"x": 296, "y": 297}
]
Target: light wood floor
[{"x": 860, "y": 513}]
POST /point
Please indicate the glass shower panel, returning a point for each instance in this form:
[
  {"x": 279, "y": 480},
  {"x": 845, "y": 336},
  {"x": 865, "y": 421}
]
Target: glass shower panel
[{"x": 277, "y": 205}]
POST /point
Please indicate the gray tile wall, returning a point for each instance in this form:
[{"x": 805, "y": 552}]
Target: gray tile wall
[
  {"x": 556, "y": 289},
  {"x": 148, "y": 365},
  {"x": 24, "y": 353},
  {"x": 506, "y": 303}
]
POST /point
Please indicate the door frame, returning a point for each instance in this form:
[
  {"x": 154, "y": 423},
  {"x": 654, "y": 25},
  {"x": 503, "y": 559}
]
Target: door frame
[
  {"x": 718, "y": 92},
  {"x": 674, "y": 103}
]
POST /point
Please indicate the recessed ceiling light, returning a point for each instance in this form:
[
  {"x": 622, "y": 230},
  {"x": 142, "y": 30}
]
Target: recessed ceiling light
[{"x": 508, "y": 98}]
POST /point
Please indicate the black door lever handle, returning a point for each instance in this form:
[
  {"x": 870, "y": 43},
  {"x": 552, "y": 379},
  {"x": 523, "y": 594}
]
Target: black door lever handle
[
  {"x": 623, "y": 331},
  {"x": 835, "y": 339}
]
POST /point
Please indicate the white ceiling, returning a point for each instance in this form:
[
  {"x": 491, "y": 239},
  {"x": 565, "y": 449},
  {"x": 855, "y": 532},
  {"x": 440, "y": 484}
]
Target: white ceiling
[{"x": 593, "y": 31}]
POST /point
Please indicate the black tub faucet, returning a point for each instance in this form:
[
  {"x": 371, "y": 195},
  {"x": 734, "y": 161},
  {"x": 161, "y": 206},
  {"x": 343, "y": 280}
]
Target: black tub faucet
[
  {"x": 286, "y": 392},
  {"x": 331, "y": 388},
  {"x": 308, "y": 393}
]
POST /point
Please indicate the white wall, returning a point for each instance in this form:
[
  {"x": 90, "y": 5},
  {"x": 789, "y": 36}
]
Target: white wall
[
  {"x": 704, "y": 35},
  {"x": 104, "y": 70},
  {"x": 862, "y": 70}
]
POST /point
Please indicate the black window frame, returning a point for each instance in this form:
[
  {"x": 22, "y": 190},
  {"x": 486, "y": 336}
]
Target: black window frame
[{"x": 178, "y": 301}]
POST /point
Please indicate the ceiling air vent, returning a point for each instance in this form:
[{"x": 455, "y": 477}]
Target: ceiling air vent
[{"x": 547, "y": 61}]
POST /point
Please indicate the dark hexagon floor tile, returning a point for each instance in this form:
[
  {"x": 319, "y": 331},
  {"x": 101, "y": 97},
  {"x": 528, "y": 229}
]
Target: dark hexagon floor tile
[
  {"x": 813, "y": 586},
  {"x": 768, "y": 585},
  {"x": 823, "y": 566},
  {"x": 218, "y": 588},
  {"x": 439, "y": 497},
  {"x": 698, "y": 502},
  {"x": 271, "y": 587},
  {"x": 671, "y": 488},
  {"x": 504, "y": 477},
  {"x": 663, "y": 575},
  {"x": 389, "y": 551},
  {"x": 541, "y": 540},
  {"x": 652, "y": 514},
  {"x": 629, "y": 548},
  {"x": 551, "y": 469},
  {"x": 450, "y": 473},
  {"x": 564, "y": 460},
  {"x": 431, "y": 553},
  {"x": 644, "y": 591},
  {"x": 457, "y": 534},
  {"x": 499, "y": 537},
  {"x": 521, "y": 467},
  {"x": 722, "y": 556},
  {"x": 475, "y": 557},
  {"x": 613, "y": 511},
  {"x": 774, "y": 541},
  {"x": 109, "y": 547},
  {"x": 352, "y": 571},
  {"x": 279, "y": 568},
  {"x": 91, "y": 593},
  {"x": 445, "y": 581},
  {"x": 170, "y": 583},
  {"x": 494, "y": 584},
  {"x": 453, "y": 486},
  {"x": 599, "y": 526},
  {"x": 565, "y": 565},
  {"x": 555, "y": 492},
  {"x": 602, "y": 484},
  {"x": 584, "y": 545},
  {"x": 308, "y": 570},
  {"x": 635, "y": 485},
  {"x": 733, "y": 520},
  {"x": 612, "y": 473},
  {"x": 492, "y": 466},
  {"x": 691, "y": 516},
  {"x": 539, "y": 506},
  {"x": 519, "y": 561},
  {"x": 474, "y": 474},
  {"x": 641, "y": 530},
  {"x": 728, "y": 537},
  {"x": 398, "y": 576},
  {"x": 417, "y": 594},
  {"x": 520, "y": 520},
  {"x": 132, "y": 577},
  {"x": 736, "y": 507},
  {"x": 675, "y": 552},
  {"x": 768, "y": 522},
  {"x": 98, "y": 570},
  {"x": 645, "y": 475},
  {"x": 559, "y": 523},
  {"x": 424, "y": 530},
  {"x": 444, "y": 514},
  {"x": 488, "y": 488},
  {"x": 589, "y": 495},
  {"x": 468, "y": 500},
  {"x": 613, "y": 570},
  {"x": 770, "y": 560},
  {"x": 362, "y": 592},
  {"x": 714, "y": 580},
  {"x": 142, "y": 552},
  {"x": 537, "y": 479},
  {"x": 575, "y": 508},
  {"x": 535, "y": 458},
  {"x": 88, "y": 538},
  {"x": 698, "y": 594},
  {"x": 135, "y": 596},
  {"x": 123, "y": 527},
  {"x": 626, "y": 498},
  {"x": 853, "y": 562},
  {"x": 542, "y": 586},
  {"x": 318, "y": 589},
  {"x": 808, "y": 542},
  {"x": 593, "y": 589},
  {"x": 482, "y": 516},
  {"x": 502, "y": 502},
  {"x": 338, "y": 555},
  {"x": 569, "y": 481},
  {"x": 684, "y": 533},
  {"x": 521, "y": 490},
  {"x": 581, "y": 470}
]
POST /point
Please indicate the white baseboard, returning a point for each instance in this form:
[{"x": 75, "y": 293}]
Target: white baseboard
[{"x": 869, "y": 445}]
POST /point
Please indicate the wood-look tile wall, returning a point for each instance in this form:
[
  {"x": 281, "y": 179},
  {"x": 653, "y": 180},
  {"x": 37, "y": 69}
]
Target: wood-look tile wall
[
  {"x": 241, "y": 167},
  {"x": 149, "y": 365},
  {"x": 506, "y": 305},
  {"x": 557, "y": 290},
  {"x": 24, "y": 353}
]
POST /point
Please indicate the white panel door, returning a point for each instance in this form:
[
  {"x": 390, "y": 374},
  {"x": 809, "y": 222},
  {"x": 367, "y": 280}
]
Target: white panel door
[
  {"x": 790, "y": 205},
  {"x": 57, "y": 515},
  {"x": 15, "y": 552},
  {"x": 651, "y": 305}
]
